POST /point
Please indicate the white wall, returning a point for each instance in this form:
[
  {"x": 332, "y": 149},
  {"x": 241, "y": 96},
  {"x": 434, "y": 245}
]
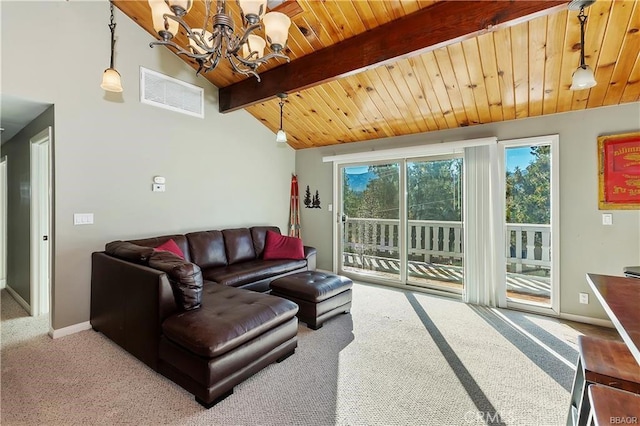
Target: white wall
[
  {"x": 223, "y": 171},
  {"x": 585, "y": 244}
]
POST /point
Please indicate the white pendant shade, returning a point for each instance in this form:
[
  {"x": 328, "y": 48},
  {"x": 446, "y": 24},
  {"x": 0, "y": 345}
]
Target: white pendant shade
[
  {"x": 281, "y": 136},
  {"x": 158, "y": 9},
  {"x": 583, "y": 78},
  {"x": 252, "y": 7},
  {"x": 207, "y": 36},
  {"x": 254, "y": 44},
  {"x": 276, "y": 26},
  {"x": 111, "y": 80}
]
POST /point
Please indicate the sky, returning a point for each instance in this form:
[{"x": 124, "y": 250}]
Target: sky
[{"x": 520, "y": 157}]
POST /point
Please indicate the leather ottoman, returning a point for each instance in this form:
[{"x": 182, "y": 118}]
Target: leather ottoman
[{"x": 319, "y": 295}]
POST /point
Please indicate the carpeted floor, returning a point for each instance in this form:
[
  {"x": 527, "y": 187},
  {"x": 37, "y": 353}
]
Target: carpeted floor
[{"x": 399, "y": 358}]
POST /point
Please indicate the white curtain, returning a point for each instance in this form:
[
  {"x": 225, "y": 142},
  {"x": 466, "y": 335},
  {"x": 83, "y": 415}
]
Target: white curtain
[{"x": 484, "y": 261}]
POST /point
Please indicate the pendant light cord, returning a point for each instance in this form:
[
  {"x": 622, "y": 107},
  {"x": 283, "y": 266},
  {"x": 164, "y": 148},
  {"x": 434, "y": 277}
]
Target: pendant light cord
[
  {"x": 112, "y": 27},
  {"x": 583, "y": 19},
  {"x": 281, "y": 105}
]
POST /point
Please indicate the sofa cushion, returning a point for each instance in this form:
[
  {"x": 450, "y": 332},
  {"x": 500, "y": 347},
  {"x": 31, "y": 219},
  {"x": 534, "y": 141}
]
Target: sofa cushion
[
  {"x": 179, "y": 239},
  {"x": 228, "y": 318},
  {"x": 185, "y": 278},
  {"x": 172, "y": 247},
  {"x": 259, "y": 236},
  {"x": 129, "y": 251},
  {"x": 282, "y": 247},
  {"x": 207, "y": 248},
  {"x": 239, "y": 245},
  {"x": 253, "y": 270}
]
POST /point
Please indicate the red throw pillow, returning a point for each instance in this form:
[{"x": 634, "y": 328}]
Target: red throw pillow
[
  {"x": 170, "y": 246},
  {"x": 279, "y": 246}
]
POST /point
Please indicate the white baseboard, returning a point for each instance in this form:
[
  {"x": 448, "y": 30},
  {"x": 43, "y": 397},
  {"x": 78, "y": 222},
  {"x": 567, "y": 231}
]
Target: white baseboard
[
  {"x": 19, "y": 299},
  {"x": 3, "y": 283},
  {"x": 72, "y": 329},
  {"x": 587, "y": 320}
]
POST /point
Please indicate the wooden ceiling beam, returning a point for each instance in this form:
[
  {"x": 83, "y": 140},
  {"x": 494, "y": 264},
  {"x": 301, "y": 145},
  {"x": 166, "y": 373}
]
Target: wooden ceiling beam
[{"x": 444, "y": 23}]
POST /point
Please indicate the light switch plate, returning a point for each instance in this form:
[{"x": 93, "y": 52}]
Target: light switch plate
[
  {"x": 584, "y": 298},
  {"x": 607, "y": 219},
  {"x": 83, "y": 218}
]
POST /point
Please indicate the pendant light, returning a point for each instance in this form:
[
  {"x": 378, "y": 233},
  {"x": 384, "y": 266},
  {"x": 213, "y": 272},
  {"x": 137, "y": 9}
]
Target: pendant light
[
  {"x": 583, "y": 77},
  {"x": 281, "y": 136},
  {"x": 111, "y": 77}
]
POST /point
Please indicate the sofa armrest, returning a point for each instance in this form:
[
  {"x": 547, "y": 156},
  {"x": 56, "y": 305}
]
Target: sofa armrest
[
  {"x": 128, "y": 304},
  {"x": 310, "y": 255},
  {"x": 185, "y": 278}
]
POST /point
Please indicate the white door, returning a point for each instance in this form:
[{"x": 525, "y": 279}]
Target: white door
[
  {"x": 40, "y": 222},
  {"x": 530, "y": 223}
]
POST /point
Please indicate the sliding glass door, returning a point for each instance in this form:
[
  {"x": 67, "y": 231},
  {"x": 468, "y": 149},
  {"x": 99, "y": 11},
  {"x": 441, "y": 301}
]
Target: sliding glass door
[
  {"x": 401, "y": 222},
  {"x": 370, "y": 231},
  {"x": 434, "y": 223}
]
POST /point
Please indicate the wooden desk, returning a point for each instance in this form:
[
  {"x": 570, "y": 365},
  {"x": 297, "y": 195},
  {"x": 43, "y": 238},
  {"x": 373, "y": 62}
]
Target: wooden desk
[{"x": 620, "y": 298}]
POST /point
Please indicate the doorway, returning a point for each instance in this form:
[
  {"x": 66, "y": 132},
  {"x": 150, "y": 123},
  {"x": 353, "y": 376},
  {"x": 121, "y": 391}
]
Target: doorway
[
  {"x": 530, "y": 223},
  {"x": 40, "y": 222}
]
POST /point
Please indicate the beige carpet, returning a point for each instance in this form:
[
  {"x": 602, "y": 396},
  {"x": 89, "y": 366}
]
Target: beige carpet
[{"x": 399, "y": 358}]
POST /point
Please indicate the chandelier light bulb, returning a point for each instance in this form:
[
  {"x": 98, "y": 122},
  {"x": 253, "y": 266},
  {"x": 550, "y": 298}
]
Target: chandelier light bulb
[
  {"x": 254, "y": 44},
  {"x": 253, "y": 10},
  {"x": 166, "y": 28},
  {"x": 276, "y": 26}
]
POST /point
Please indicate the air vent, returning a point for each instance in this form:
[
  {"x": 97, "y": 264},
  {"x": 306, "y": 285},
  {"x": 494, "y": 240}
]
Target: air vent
[{"x": 167, "y": 92}]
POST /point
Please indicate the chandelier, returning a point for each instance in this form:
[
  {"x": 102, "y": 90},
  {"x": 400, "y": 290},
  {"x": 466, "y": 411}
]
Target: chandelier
[{"x": 218, "y": 39}]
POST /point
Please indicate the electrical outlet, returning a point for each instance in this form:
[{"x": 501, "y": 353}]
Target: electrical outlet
[
  {"x": 584, "y": 298},
  {"x": 607, "y": 219}
]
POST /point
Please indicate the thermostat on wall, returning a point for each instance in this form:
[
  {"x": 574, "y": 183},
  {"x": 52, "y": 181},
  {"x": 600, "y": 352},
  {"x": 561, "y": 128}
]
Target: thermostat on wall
[{"x": 158, "y": 179}]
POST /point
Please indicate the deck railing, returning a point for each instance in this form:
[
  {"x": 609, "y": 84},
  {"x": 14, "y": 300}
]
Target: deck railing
[{"x": 434, "y": 241}]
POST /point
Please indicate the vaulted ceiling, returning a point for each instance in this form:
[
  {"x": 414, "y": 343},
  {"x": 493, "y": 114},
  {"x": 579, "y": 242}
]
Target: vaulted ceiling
[{"x": 363, "y": 70}]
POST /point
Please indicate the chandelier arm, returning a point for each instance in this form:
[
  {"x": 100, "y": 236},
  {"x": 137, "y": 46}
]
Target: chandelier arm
[
  {"x": 242, "y": 70},
  {"x": 201, "y": 58},
  {"x": 259, "y": 61},
  {"x": 213, "y": 59}
]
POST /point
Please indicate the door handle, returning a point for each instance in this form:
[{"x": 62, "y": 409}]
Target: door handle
[{"x": 45, "y": 238}]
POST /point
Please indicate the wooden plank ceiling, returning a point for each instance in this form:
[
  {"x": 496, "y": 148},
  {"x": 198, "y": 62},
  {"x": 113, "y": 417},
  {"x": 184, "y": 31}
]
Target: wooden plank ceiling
[{"x": 506, "y": 73}]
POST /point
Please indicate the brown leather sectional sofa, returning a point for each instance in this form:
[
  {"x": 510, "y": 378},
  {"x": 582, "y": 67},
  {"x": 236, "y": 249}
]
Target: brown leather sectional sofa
[{"x": 204, "y": 321}]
